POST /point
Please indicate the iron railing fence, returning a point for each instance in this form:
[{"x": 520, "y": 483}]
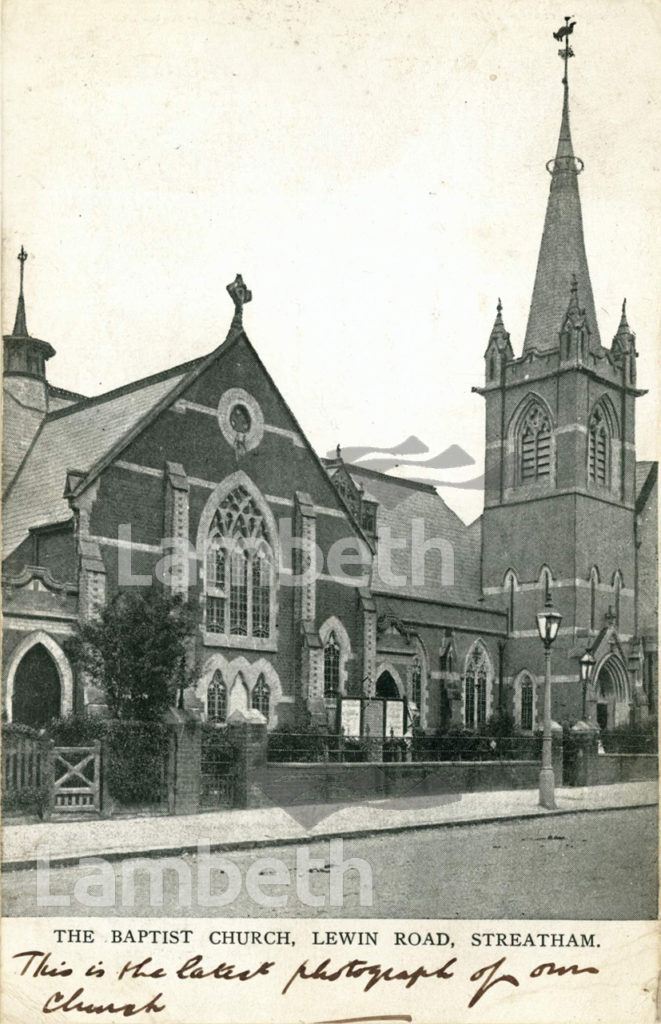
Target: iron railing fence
[
  {"x": 314, "y": 747},
  {"x": 629, "y": 742},
  {"x": 466, "y": 746}
]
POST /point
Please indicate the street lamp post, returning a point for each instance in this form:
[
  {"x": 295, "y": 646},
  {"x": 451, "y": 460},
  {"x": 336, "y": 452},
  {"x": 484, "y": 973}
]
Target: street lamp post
[
  {"x": 548, "y": 623},
  {"x": 587, "y": 663}
]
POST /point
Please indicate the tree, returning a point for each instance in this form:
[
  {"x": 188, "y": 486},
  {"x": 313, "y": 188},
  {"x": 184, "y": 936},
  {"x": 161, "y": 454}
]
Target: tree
[{"x": 137, "y": 651}]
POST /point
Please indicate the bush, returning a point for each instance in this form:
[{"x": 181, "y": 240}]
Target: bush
[
  {"x": 300, "y": 743},
  {"x": 17, "y": 729},
  {"x": 134, "y": 767},
  {"x": 77, "y": 730},
  {"x": 138, "y": 652},
  {"x": 500, "y": 724},
  {"x": 26, "y": 801}
]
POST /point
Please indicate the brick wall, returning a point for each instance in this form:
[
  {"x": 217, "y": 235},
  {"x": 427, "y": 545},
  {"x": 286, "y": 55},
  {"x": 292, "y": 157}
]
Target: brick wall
[{"x": 290, "y": 784}]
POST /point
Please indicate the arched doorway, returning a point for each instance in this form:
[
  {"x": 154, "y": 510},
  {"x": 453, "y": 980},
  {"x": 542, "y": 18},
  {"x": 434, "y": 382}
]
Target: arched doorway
[
  {"x": 386, "y": 687},
  {"x": 611, "y": 692},
  {"x": 37, "y": 693}
]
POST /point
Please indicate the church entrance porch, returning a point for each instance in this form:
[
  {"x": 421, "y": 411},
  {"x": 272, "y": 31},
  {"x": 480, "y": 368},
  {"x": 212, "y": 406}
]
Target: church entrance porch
[
  {"x": 611, "y": 694},
  {"x": 37, "y": 693}
]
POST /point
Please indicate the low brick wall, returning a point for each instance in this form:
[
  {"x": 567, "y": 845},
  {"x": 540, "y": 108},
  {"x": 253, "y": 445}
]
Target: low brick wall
[
  {"x": 610, "y": 768},
  {"x": 323, "y": 782}
]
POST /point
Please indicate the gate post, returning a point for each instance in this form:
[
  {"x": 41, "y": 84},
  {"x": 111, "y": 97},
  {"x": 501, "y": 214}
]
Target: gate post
[
  {"x": 248, "y": 736},
  {"x": 47, "y": 777},
  {"x": 586, "y": 739},
  {"x": 184, "y": 761}
]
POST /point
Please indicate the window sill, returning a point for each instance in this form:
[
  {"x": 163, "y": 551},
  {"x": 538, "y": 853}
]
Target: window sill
[{"x": 242, "y": 643}]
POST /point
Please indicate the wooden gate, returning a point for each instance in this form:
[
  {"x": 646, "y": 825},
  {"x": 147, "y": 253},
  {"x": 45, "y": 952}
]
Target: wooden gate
[{"x": 76, "y": 775}]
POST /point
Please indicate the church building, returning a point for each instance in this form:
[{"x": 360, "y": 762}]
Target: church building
[{"x": 200, "y": 479}]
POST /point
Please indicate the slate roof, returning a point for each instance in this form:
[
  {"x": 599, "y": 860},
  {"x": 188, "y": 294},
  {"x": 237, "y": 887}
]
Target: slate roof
[
  {"x": 400, "y": 503},
  {"x": 561, "y": 253},
  {"x": 76, "y": 437}
]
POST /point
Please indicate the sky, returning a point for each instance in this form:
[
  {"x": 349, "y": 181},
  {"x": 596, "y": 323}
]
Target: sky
[{"x": 375, "y": 169}]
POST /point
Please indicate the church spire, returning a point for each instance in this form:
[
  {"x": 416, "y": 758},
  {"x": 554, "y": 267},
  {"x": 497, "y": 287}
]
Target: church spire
[
  {"x": 562, "y": 250},
  {"x": 20, "y": 323}
]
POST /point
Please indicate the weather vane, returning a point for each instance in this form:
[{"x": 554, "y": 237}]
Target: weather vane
[
  {"x": 22, "y": 256},
  {"x": 564, "y": 33}
]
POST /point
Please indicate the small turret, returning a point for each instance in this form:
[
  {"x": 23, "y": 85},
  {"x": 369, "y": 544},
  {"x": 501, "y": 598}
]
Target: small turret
[
  {"x": 25, "y": 357},
  {"x": 25, "y": 387},
  {"x": 499, "y": 350},
  {"x": 623, "y": 348}
]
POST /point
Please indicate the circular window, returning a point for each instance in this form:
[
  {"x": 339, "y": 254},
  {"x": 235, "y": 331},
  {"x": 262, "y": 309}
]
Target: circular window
[{"x": 240, "y": 419}]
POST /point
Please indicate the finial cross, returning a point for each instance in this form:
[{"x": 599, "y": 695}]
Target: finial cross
[
  {"x": 22, "y": 256},
  {"x": 239, "y": 293},
  {"x": 564, "y": 33}
]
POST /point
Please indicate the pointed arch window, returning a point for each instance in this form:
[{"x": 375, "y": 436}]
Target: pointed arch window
[
  {"x": 416, "y": 682},
  {"x": 331, "y": 666},
  {"x": 594, "y": 580},
  {"x": 239, "y": 577},
  {"x": 599, "y": 443},
  {"x": 261, "y": 697},
  {"x": 217, "y": 699},
  {"x": 535, "y": 445},
  {"x": 476, "y": 683},
  {"x": 510, "y": 588},
  {"x": 527, "y": 703},
  {"x": 617, "y": 586},
  {"x": 546, "y": 580}
]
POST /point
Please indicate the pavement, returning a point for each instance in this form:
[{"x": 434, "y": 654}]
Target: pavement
[{"x": 65, "y": 842}]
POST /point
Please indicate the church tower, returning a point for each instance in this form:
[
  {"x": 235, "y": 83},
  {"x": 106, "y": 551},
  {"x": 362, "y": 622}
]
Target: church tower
[
  {"x": 25, "y": 387},
  {"x": 560, "y": 467}
]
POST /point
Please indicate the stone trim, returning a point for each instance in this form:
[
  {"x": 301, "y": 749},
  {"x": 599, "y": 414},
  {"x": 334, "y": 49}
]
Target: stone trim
[
  {"x": 306, "y": 530},
  {"x": 61, "y": 663},
  {"x": 176, "y": 521}
]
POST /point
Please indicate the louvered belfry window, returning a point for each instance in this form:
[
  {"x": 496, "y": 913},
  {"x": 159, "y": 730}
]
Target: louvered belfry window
[
  {"x": 535, "y": 445},
  {"x": 598, "y": 448},
  {"x": 239, "y": 569}
]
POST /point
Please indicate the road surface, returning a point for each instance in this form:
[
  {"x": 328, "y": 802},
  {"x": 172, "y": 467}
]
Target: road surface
[{"x": 581, "y": 866}]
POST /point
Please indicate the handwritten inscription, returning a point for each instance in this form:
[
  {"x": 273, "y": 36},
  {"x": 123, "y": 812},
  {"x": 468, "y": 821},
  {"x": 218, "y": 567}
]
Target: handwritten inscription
[{"x": 41, "y": 964}]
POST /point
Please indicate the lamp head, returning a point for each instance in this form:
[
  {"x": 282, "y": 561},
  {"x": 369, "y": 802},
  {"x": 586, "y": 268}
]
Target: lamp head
[
  {"x": 548, "y": 622},
  {"x": 587, "y": 663}
]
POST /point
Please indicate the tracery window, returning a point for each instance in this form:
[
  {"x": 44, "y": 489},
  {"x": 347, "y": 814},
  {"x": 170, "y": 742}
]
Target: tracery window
[
  {"x": 598, "y": 448},
  {"x": 476, "y": 681},
  {"x": 535, "y": 445},
  {"x": 217, "y": 699},
  {"x": 261, "y": 697},
  {"x": 331, "y": 666},
  {"x": 239, "y": 569}
]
